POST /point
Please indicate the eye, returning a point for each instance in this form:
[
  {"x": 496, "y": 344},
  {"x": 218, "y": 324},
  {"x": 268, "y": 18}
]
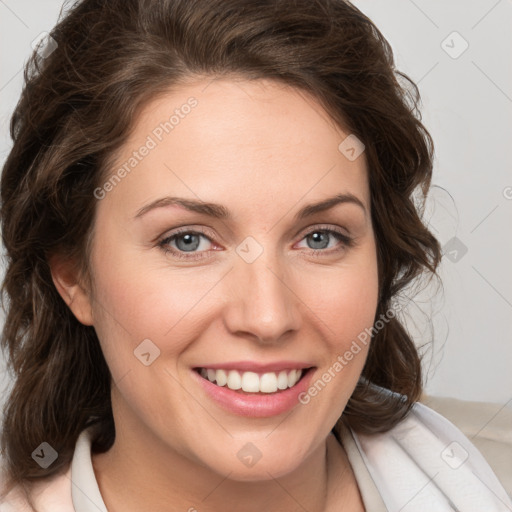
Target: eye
[
  {"x": 186, "y": 244},
  {"x": 194, "y": 245},
  {"x": 320, "y": 240}
]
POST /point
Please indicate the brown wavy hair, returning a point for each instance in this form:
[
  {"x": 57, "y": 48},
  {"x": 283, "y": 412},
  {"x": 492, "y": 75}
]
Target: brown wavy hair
[{"x": 76, "y": 109}]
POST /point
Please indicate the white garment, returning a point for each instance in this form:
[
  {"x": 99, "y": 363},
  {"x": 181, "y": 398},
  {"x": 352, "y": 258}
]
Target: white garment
[
  {"x": 423, "y": 464},
  {"x": 426, "y": 464}
]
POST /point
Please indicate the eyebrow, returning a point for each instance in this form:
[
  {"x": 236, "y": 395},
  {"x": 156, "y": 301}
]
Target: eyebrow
[{"x": 219, "y": 211}]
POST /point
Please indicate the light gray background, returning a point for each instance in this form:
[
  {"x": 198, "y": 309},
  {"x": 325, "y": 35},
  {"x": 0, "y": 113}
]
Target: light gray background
[{"x": 467, "y": 107}]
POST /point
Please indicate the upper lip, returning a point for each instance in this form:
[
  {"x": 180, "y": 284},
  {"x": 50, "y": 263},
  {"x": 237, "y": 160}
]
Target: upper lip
[{"x": 253, "y": 366}]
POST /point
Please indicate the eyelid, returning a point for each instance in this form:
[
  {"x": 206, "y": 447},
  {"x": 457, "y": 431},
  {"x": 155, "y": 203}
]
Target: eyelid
[
  {"x": 163, "y": 243},
  {"x": 188, "y": 229},
  {"x": 210, "y": 233},
  {"x": 323, "y": 227},
  {"x": 345, "y": 239}
]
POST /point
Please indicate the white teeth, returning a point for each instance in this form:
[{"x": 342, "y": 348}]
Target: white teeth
[
  {"x": 221, "y": 378},
  {"x": 293, "y": 377},
  {"x": 268, "y": 383},
  {"x": 282, "y": 380},
  {"x": 251, "y": 382},
  {"x": 234, "y": 380}
]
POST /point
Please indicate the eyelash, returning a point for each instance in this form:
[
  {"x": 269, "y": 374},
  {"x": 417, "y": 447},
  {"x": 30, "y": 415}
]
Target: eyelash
[{"x": 347, "y": 242}]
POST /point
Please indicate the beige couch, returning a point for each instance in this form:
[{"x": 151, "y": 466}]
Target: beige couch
[{"x": 488, "y": 426}]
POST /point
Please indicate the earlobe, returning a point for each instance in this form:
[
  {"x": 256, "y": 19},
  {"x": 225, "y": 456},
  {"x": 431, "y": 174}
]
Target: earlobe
[{"x": 65, "y": 277}]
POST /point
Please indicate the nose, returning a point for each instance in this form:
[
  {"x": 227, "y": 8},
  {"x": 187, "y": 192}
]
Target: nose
[{"x": 262, "y": 303}]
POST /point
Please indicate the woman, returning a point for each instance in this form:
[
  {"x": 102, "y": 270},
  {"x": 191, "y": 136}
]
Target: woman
[{"x": 208, "y": 214}]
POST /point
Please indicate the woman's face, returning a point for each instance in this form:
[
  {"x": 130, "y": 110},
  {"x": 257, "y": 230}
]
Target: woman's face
[{"x": 269, "y": 287}]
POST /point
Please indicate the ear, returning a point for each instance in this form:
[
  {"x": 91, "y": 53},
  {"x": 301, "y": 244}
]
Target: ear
[{"x": 66, "y": 278}]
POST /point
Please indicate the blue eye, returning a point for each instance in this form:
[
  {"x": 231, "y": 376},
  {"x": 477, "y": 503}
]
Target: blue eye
[
  {"x": 320, "y": 238},
  {"x": 191, "y": 241},
  {"x": 187, "y": 244}
]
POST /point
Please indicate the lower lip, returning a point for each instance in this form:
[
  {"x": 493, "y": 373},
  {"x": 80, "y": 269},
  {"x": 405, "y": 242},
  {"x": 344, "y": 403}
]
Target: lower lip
[{"x": 257, "y": 405}]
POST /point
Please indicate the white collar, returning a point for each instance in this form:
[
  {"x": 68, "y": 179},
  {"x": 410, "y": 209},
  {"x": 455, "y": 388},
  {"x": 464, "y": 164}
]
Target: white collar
[{"x": 85, "y": 492}]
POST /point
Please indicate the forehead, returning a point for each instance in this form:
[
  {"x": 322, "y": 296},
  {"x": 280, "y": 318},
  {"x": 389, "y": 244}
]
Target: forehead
[{"x": 237, "y": 141}]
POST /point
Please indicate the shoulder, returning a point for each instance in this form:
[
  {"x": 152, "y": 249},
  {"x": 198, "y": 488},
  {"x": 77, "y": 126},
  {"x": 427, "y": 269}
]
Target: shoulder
[
  {"x": 73, "y": 486},
  {"x": 426, "y": 463},
  {"x": 51, "y": 494},
  {"x": 487, "y": 425}
]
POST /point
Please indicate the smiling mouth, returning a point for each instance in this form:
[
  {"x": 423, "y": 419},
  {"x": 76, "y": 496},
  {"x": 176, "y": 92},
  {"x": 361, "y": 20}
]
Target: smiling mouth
[{"x": 252, "y": 382}]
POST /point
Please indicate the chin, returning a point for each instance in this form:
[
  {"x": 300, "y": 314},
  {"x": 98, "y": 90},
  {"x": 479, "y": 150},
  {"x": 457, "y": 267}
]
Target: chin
[
  {"x": 249, "y": 463},
  {"x": 261, "y": 470}
]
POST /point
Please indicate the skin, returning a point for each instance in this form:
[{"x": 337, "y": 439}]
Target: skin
[{"x": 263, "y": 150}]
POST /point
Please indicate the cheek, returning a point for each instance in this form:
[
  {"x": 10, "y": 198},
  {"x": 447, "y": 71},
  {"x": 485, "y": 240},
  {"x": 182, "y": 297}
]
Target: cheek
[
  {"x": 346, "y": 301},
  {"x": 345, "y": 306},
  {"x": 134, "y": 303},
  {"x": 137, "y": 306},
  {"x": 343, "y": 309}
]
